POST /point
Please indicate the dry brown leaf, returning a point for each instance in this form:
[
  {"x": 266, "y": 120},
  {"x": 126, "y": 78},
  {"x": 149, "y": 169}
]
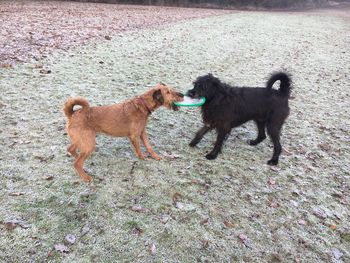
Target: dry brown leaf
[
  {"x": 6, "y": 66},
  {"x": 325, "y": 147},
  {"x": 228, "y": 224},
  {"x": 10, "y": 225},
  {"x": 45, "y": 71},
  {"x": 205, "y": 220},
  {"x": 175, "y": 197},
  {"x": 333, "y": 227},
  {"x": 205, "y": 243},
  {"x": 136, "y": 231}
]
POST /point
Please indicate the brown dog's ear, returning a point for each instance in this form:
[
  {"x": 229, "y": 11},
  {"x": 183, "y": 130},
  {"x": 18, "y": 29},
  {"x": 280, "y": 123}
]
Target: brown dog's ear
[{"x": 157, "y": 96}]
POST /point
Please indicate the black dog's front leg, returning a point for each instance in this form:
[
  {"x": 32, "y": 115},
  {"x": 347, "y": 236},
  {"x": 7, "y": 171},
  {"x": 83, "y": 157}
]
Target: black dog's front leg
[
  {"x": 199, "y": 135},
  {"x": 222, "y": 135}
]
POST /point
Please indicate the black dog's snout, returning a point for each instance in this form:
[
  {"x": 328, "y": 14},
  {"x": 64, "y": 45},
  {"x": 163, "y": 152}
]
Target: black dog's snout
[{"x": 190, "y": 93}]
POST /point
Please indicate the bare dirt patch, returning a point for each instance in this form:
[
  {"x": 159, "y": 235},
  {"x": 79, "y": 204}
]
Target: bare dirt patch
[{"x": 33, "y": 29}]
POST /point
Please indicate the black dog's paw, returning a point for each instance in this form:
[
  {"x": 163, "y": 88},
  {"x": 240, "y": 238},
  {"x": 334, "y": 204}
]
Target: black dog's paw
[
  {"x": 193, "y": 143},
  {"x": 211, "y": 156},
  {"x": 272, "y": 162},
  {"x": 252, "y": 142}
]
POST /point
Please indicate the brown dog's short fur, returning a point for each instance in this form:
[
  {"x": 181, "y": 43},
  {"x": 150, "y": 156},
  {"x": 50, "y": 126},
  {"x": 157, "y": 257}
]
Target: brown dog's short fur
[{"x": 126, "y": 119}]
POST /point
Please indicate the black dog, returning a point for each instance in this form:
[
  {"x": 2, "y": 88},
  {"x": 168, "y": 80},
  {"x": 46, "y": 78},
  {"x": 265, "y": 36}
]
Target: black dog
[{"x": 228, "y": 107}]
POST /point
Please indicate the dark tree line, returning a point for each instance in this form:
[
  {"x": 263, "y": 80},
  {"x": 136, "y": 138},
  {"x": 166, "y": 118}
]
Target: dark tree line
[{"x": 223, "y": 3}]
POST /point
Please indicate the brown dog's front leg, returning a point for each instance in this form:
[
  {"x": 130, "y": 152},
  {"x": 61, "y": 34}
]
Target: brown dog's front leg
[
  {"x": 136, "y": 146},
  {"x": 148, "y": 146}
]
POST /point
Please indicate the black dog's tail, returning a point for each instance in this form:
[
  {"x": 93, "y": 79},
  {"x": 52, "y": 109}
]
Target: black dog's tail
[{"x": 285, "y": 85}]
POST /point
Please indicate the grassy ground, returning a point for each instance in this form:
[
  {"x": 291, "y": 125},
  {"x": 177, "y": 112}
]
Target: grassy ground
[{"x": 183, "y": 208}]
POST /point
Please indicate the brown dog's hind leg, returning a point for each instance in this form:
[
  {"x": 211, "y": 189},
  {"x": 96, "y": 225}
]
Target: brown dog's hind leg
[
  {"x": 148, "y": 146},
  {"x": 135, "y": 141},
  {"x": 72, "y": 150},
  {"x": 86, "y": 142},
  {"x": 78, "y": 165}
]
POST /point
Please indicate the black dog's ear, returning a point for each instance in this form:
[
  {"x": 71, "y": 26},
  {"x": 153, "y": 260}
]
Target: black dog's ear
[{"x": 157, "y": 96}]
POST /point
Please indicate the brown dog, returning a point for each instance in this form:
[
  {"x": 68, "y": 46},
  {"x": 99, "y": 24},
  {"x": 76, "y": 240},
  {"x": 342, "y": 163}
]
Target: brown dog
[{"x": 126, "y": 119}]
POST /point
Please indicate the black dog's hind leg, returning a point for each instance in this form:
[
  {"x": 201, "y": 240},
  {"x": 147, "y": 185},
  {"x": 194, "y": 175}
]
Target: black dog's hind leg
[
  {"x": 274, "y": 133},
  {"x": 221, "y": 137},
  {"x": 199, "y": 135},
  {"x": 261, "y": 133}
]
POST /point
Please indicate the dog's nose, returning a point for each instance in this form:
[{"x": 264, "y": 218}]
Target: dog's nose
[{"x": 190, "y": 93}]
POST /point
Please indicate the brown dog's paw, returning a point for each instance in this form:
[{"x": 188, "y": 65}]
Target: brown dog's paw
[
  {"x": 87, "y": 178},
  {"x": 142, "y": 157},
  {"x": 157, "y": 157}
]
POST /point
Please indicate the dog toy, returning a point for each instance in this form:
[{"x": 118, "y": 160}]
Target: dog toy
[{"x": 190, "y": 102}]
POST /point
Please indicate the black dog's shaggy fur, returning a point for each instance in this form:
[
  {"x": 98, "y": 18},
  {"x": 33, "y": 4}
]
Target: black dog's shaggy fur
[{"x": 228, "y": 107}]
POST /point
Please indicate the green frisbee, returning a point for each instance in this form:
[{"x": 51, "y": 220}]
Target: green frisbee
[{"x": 190, "y": 102}]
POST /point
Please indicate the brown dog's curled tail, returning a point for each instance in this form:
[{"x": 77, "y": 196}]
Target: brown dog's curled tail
[{"x": 71, "y": 102}]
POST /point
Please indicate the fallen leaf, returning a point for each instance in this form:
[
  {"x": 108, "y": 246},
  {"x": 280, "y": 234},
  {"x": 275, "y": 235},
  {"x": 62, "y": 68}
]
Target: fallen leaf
[
  {"x": 302, "y": 222},
  {"x": 205, "y": 243},
  {"x": 176, "y": 202},
  {"x": 164, "y": 219},
  {"x": 138, "y": 208},
  {"x": 228, "y": 224},
  {"x": 10, "y": 225},
  {"x": 204, "y": 221},
  {"x": 179, "y": 205},
  {"x": 6, "y": 66},
  {"x": 50, "y": 177},
  {"x": 272, "y": 182},
  {"x": 274, "y": 204},
  {"x": 333, "y": 227},
  {"x": 176, "y": 196},
  {"x": 61, "y": 248},
  {"x": 320, "y": 213},
  {"x": 275, "y": 257},
  {"x": 274, "y": 168},
  {"x": 70, "y": 239},
  {"x": 85, "y": 230},
  {"x": 152, "y": 249},
  {"x": 337, "y": 253},
  {"x": 136, "y": 231},
  {"x": 244, "y": 239},
  {"x": 45, "y": 71},
  {"x": 17, "y": 193},
  {"x": 325, "y": 147}
]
